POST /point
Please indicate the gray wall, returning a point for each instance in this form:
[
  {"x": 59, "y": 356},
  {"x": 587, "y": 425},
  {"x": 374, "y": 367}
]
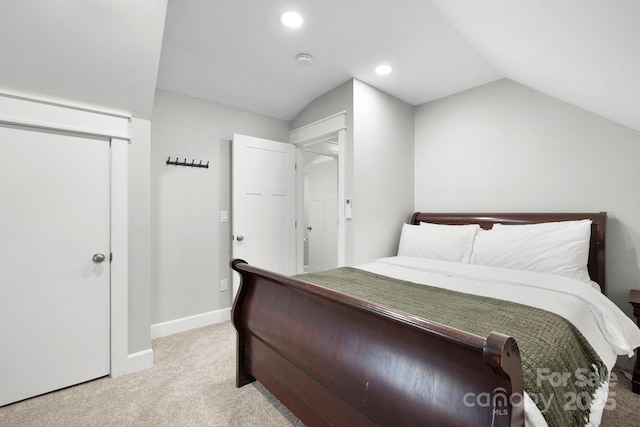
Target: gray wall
[
  {"x": 497, "y": 147},
  {"x": 379, "y": 164},
  {"x": 334, "y": 101},
  {"x": 383, "y": 171},
  {"x": 189, "y": 245},
  {"x": 139, "y": 235},
  {"x": 505, "y": 147}
]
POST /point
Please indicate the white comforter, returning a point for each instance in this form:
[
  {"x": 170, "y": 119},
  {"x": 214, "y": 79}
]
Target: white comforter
[{"x": 609, "y": 331}]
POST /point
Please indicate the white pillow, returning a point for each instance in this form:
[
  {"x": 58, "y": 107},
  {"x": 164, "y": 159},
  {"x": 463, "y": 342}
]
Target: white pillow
[
  {"x": 560, "y": 248},
  {"x": 435, "y": 241}
]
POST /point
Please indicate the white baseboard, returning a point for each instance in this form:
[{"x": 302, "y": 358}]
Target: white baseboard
[
  {"x": 144, "y": 359},
  {"x": 186, "y": 323},
  {"x": 139, "y": 361}
]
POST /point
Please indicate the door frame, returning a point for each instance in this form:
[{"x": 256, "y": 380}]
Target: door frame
[
  {"x": 52, "y": 116},
  {"x": 333, "y": 128}
]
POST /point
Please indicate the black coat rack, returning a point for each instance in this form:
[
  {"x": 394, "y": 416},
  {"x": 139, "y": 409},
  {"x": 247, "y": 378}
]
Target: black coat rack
[{"x": 193, "y": 164}]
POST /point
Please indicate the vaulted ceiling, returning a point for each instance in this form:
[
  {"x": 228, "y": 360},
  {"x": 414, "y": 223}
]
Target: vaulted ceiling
[
  {"x": 237, "y": 52},
  {"x": 113, "y": 53}
]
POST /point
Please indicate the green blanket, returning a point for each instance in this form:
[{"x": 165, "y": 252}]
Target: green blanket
[{"x": 561, "y": 370}]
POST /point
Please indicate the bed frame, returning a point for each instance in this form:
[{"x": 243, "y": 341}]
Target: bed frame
[{"x": 336, "y": 360}]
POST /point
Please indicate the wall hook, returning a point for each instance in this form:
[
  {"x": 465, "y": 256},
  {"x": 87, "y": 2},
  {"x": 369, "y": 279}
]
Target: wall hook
[{"x": 193, "y": 163}]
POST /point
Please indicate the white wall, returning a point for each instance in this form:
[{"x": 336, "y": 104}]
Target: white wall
[
  {"x": 383, "y": 175},
  {"x": 505, "y": 147},
  {"x": 190, "y": 247}
]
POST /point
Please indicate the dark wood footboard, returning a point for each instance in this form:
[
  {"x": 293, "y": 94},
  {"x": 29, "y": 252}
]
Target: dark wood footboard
[{"x": 336, "y": 360}]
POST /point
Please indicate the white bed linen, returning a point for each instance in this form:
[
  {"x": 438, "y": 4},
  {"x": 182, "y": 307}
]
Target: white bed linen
[{"x": 609, "y": 331}]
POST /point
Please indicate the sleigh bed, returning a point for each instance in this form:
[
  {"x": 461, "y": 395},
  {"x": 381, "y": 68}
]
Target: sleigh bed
[{"x": 336, "y": 358}]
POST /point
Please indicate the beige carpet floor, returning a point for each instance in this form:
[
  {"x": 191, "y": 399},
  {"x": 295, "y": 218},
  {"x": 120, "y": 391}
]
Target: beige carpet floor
[{"x": 192, "y": 383}]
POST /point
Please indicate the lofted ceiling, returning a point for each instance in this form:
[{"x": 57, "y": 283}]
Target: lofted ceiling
[
  {"x": 585, "y": 52},
  {"x": 236, "y": 52},
  {"x": 114, "y": 53}
]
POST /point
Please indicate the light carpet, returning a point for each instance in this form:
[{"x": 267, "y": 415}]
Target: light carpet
[{"x": 192, "y": 383}]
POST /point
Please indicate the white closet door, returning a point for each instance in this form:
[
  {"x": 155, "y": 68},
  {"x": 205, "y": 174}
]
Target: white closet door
[{"x": 54, "y": 282}]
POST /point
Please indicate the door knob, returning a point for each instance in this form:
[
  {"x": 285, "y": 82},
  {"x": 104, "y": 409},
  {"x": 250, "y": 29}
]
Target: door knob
[
  {"x": 98, "y": 258},
  {"x": 240, "y": 238}
]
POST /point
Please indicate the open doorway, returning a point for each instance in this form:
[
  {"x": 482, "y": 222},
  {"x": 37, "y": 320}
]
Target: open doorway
[{"x": 321, "y": 219}]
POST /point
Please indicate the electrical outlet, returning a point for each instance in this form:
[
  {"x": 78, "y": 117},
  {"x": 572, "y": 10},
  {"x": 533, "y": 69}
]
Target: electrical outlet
[{"x": 223, "y": 285}]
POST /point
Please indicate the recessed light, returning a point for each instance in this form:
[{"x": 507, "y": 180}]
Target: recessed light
[
  {"x": 291, "y": 19},
  {"x": 383, "y": 70}
]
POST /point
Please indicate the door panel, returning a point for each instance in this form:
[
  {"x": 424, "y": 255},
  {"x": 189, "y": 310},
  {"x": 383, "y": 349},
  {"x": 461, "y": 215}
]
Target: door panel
[
  {"x": 323, "y": 215},
  {"x": 54, "y": 299},
  {"x": 263, "y": 213}
]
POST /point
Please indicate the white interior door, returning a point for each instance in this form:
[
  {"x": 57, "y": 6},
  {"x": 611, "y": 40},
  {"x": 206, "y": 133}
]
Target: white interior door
[
  {"x": 322, "y": 226},
  {"x": 263, "y": 204},
  {"x": 54, "y": 294}
]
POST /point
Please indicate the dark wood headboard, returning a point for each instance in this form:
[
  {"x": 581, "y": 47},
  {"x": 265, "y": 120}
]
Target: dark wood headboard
[{"x": 596, "y": 263}]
